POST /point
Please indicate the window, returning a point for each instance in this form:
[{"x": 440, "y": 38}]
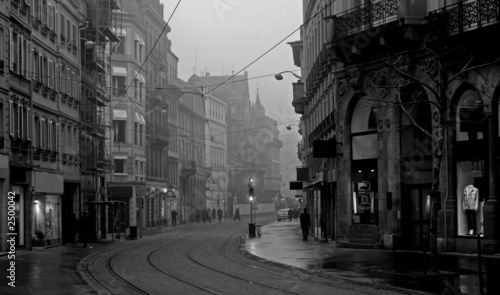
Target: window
[
  {"x": 120, "y": 130},
  {"x": 120, "y": 47},
  {"x": 44, "y": 11},
  {"x": 140, "y": 134},
  {"x": 62, "y": 28},
  {"x": 68, "y": 31},
  {"x": 136, "y": 48},
  {"x": 136, "y": 88},
  {"x": 50, "y": 22},
  {"x": 51, "y": 74},
  {"x": 118, "y": 84},
  {"x": 44, "y": 133},
  {"x": 36, "y": 135},
  {"x": 75, "y": 40},
  {"x": 120, "y": 166},
  {"x": 136, "y": 133}
]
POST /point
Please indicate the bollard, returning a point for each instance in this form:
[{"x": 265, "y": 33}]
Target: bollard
[
  {"x": 394, "y": 251},
  {"x": 425, "y": 254},
  {"x": 479, "y": 261}
]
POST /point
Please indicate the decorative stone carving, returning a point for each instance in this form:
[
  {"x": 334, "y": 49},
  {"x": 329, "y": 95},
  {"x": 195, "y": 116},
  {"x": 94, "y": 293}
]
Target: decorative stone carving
[
  {"x": 380, "y": 81},
  {"x": 380, "y": 126},
  {"x": 387, "y": 124},
  {"x": 341, "y": 90}
]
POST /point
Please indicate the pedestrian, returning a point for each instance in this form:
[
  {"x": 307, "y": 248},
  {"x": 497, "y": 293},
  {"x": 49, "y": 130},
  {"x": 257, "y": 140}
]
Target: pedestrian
[
  {"x": 295, "y": 214},
  {"x": 174, "y": 217},
  {"x": 305, "y": 222},
  {"x": 237, "y": 214},
  {"x": 209, "y": 216},
  {"x": 74, "y": 225},
  {"x": 219, "y": 214},
  {"x": 213, "y": 213},
  {"x": 322, "y": 223},
  {"x": 204, "y": 215},
  {"x": 197, "y": 215},
  {"x": 290, "y": 214},
  {"x": 84, "y": 228}
]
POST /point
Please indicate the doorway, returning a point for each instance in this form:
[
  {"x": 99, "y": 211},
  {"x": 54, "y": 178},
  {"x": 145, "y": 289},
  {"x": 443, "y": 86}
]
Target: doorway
[{"x": 417, "y": 203}]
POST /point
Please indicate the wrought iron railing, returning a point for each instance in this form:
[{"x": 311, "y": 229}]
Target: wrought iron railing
[
  {"x": 465, "y": 16},
  {"x": 365, "y": 16}
]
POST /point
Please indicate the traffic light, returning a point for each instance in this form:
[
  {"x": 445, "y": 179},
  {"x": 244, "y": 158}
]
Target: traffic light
[{"x": 250, "y": 187}]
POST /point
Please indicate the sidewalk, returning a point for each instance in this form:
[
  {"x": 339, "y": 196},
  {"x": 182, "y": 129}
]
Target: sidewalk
[{"x": 281, "y": 242}]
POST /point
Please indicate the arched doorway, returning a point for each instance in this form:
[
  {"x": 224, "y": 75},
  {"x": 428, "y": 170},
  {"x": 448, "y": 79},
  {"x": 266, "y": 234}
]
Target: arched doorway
[
  {"x": 416, "y": 164},
  {"x": 364, "y": 162}
]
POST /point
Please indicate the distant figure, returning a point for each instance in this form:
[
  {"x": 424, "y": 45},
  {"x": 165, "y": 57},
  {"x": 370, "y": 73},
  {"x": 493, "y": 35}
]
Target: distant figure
[
  {"x": 197, "y": 215},
  {"x": 219, "y": 214},
  {"x": 74, "y": 225},
  {"x": 213, "y": 213},
  {"x": 290, "y": 214},
  {"x": 84, "y": 228},
  {"x": 204, "y": 215},
  {"x": 322, "y": 223},
  {"x": 305, "y": 222},
  {"x": 296, "y": 214},
  {"x": 209, "y": 216},
  {"x": 174, "y": 217},
  {"x": 237, "y": 214}
]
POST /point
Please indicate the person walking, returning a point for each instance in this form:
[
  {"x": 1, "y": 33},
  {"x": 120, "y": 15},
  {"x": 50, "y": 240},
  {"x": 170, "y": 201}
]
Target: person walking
[
  {"x": 209, "y": 216},
  {"x": 290, "y": 214},
  {"x": 213, "y": 213},
  {"x": 305, "y": 222},
  {"x": 84, "y": 228},
  {"x": 322, "y": 222},
  {"x": 219, "y": 214},
  {"x": 74, "y": 225},
  {"x": 204, "y": 215},
  {"x": 174, "y": 217},
  {"x": 237, "y": 214}
]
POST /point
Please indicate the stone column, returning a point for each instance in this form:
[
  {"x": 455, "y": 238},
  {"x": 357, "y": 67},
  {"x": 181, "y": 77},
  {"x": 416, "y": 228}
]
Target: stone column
[
  {"x": 491, "y": 215},
  {"x": 450, "y": 209}
]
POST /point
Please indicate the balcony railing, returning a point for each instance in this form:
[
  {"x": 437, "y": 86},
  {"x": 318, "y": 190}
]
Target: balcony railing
[
  {"x": 465, "y": 16},
  {"x": 365, "y": 16}
]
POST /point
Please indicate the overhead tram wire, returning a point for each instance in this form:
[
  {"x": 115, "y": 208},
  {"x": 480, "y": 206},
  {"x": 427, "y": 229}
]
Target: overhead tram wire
[
  {"x": 269, "y": 50},
  {"x": 147, "y": 57}
]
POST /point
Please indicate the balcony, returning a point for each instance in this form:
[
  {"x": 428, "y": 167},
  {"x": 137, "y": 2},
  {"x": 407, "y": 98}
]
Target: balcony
[
  {"x": 464, "y": 16},
  {"x": 20, "y": 145},
  {"x": 366, "y": 16},
  {"x": 188, "y": 168}
]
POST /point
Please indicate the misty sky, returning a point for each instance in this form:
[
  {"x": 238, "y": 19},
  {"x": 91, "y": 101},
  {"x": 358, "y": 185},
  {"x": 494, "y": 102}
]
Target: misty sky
[{"x": 230, "y": 34}]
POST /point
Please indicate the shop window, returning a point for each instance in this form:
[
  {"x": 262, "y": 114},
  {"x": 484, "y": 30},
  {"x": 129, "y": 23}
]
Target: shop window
[{"x": 471, "y": 189}]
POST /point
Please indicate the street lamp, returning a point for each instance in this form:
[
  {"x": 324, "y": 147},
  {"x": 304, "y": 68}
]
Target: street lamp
[
  {"x": 289, "y": 127},
  {"x": 279, "y": 76}
]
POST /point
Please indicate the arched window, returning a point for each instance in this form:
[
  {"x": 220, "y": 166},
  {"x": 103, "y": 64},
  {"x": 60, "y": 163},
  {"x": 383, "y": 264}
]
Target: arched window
[{"x": 364, "y": 130}]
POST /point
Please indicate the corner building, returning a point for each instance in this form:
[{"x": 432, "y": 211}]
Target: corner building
[{"x": 376, "y": 179}]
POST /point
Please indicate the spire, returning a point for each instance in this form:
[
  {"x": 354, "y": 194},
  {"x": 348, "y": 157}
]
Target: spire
[{"x": 258, "y": 108}]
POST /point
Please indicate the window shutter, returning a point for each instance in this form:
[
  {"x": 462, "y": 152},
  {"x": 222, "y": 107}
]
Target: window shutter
[
  {"x": 22, "y": 66},
  {"x": 19, "y": 120},
  {"x": 11, "y": 50},
  {"x": 40, "y": 67},
  {"x": 19, "y": 50},
  {"x": 11, "y": 118},
  {"x": 56, "y": 135},
  {"x": 42, "y": 123},
  {"x": 51, "y": 74},
  {"x": 49, "y": 136},
  {"x": 50, "y": 24},
  {"x": 29, "y": 69},
  {"x": 29, "y": 122},
  {"x": 56, "y": 78}
]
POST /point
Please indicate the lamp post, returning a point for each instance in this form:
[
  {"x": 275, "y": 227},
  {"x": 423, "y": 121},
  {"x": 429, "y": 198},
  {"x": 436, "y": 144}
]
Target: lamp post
[
  {"x": 251, "y": 225},
  {"x": 279, "y": 76}
]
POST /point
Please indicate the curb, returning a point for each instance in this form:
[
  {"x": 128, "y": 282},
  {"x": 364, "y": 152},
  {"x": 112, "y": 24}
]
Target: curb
[{"x": 322, "y": 274}]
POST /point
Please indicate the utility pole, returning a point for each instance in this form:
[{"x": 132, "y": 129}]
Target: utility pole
[{"x": 251, "y": 225}]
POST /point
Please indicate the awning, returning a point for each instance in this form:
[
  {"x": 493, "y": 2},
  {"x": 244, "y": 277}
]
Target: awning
[
  {"x": 119, "y": 71},
  {"x": 138, "y": 38},
  {"x": 139, "y": 118},
  {"x": 140, "y": 77},
  {"x": 314, "y": 185},
  {"x": 119, "y": 115}
]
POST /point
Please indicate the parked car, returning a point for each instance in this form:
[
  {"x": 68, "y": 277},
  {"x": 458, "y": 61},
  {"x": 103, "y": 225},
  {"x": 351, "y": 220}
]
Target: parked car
[{"x": 283, "y": 214}]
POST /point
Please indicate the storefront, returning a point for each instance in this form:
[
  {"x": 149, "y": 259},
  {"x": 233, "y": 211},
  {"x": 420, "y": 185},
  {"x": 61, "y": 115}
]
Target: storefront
[{"x": 364, "y": 163}]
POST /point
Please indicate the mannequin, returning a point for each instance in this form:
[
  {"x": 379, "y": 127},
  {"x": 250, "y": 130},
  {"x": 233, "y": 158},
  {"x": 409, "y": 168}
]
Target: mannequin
[{"x": 470, "y": 205}]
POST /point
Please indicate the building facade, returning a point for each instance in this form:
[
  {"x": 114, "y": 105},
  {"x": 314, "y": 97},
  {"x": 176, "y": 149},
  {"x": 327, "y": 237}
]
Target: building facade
[
  {"x": 372, "y": 97},
  {"x": 216, "y": 153}
]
